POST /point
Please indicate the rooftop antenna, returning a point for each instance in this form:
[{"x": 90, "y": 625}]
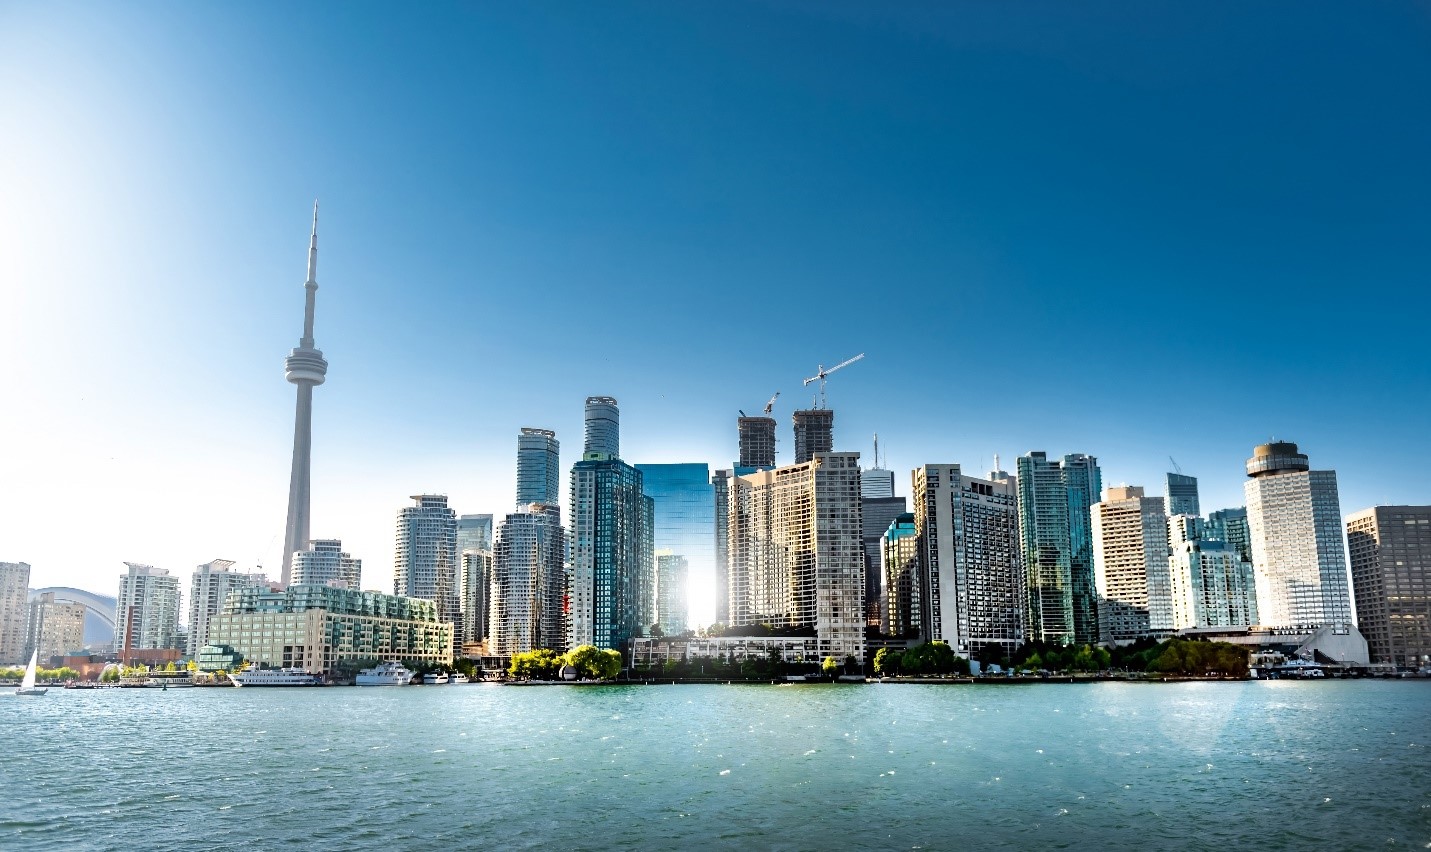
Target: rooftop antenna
[
  {"x": 876, "y": 437},
  {"x": 996, "y": 463}
]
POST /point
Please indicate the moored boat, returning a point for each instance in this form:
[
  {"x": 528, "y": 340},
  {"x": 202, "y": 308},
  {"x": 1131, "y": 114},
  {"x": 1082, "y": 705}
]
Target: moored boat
[
  {"x": 435, "y": 678},
  {"x": 275, "y": 677},
  {"x": 391, "y": 673}
]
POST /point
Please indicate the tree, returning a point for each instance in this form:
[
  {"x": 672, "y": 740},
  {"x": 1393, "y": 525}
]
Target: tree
[
  {"x": 593, "y": 663},
  {"x": 539, "y": 664},
  {"x": 887, "y": 660},
  {"x": 656, "y": 631},
  {"x": 110, "y": 675},
  {"x": 828, "y": 667}
]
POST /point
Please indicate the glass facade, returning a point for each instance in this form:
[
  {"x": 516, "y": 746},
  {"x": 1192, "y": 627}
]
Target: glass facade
[
  {"x": 685, "y": 520},
  {"x": 538, "y": 468},
  {"x": 672, "y": 570},
  {"x": 612, "y": 585},
  {"x": 1182, "y": 495},
  {"x": 1055, "y": 534}
]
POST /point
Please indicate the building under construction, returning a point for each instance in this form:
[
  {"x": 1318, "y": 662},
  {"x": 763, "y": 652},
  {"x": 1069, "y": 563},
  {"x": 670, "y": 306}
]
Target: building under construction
[{"x": 757, "y": 442}]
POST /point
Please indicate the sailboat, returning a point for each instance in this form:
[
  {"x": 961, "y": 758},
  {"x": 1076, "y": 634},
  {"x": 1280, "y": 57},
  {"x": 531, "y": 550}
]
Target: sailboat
[{"x": 27, "y": 685}]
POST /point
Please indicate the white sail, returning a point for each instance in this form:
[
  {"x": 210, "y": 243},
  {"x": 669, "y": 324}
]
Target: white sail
[{"x": 28, "y": 682}]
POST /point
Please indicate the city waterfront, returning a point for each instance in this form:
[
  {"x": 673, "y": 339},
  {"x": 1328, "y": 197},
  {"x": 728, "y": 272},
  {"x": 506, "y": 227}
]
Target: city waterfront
[{"x": 1277, "y": 765}]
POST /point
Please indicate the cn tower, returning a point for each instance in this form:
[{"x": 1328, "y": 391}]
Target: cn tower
[{"x": 305, "y": 368}]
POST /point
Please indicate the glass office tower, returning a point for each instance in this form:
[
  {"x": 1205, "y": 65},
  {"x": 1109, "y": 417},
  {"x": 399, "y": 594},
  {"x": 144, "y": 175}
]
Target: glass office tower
[{"x": 685, "y": 519}]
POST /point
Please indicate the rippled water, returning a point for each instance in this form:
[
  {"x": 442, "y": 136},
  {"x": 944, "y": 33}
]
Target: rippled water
[{"x": 1277, "y": 765}]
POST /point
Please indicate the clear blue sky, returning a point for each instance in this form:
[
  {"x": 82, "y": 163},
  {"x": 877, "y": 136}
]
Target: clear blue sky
[{"x": 1133, "y": 230}]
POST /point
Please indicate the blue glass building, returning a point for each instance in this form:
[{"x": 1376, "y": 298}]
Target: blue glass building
[{"x": 685, "y": 520}]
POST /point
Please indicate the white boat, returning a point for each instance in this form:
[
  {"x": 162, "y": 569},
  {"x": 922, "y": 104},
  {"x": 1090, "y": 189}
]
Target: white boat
[
  {"x": 27, "y": 683},
  {"x": 435, "y": 678},
  {"x": 275, "y": 677},
  {"x": 391, "y": 673},
  {"x": 459, "y": 677}
]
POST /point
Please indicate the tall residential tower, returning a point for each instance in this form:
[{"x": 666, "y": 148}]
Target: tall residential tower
[{"x": 1298, "y": 556}]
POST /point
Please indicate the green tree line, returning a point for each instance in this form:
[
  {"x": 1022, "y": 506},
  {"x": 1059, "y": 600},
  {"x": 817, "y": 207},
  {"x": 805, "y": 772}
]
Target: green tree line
[{"x": 591, "y": 663}]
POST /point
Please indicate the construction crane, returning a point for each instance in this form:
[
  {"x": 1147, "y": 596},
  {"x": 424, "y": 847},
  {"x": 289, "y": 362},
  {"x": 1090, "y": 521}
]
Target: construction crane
[
  {"x": 824, "y": 374},
  {"x": 771, "y": 404},
  {"x": 1176, "y": 466}
]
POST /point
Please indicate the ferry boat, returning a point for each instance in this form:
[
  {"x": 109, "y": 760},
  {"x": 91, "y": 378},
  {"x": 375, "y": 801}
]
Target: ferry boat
[
  {"x": 275, "y": 677},
  {"x": 435, "y": 677},
  {"x": 391, "y": 673}
]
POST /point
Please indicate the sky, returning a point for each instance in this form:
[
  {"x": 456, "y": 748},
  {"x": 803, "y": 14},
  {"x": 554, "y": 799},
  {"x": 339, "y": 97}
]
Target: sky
[{"x": 1144, "y": 231}]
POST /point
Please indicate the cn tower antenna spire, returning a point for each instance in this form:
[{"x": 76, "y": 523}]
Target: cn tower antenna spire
[{"x": 311, "y": 285}]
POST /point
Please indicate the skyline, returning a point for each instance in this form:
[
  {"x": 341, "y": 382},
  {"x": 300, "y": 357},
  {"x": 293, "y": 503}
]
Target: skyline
[{"x": 1150, "y": 214}]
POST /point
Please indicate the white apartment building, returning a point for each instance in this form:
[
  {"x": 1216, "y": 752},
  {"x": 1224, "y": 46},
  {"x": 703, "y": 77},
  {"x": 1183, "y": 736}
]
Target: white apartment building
[
  {"x": 208, "y": 588},
  {"x": 796, "y": 554},
  {"x": 1298, "y": 550},
  {"x": 970, "y": 577},
  {"x": 1130, "y": 565},
  {"x": 146, "y": 612},
  {"x": 325, "y": 563}
]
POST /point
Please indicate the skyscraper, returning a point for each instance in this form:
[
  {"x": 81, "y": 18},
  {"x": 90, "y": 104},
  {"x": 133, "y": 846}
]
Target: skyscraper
[
  {"x": 55, "y": 627},
  {"x": 146, "y": 611},
  {"x": 876, "y": 514},
  {"x": 613, "y": 570},
  {"x": 1055, "y": 535},
  {"x": 209, "y": 587},
  {"x": 474, "y": 532},
  {"x": 603, "y": 429},
  {"x": 538, "y": 468},
  {"x": 1230, "y": 526},
  {"x": 426, "y": 562},
  {"x": 900, "y": 590},
  {"x": 796, "y": 558},
  {"x": 476, "y": 596},
  {"x": 1294, "y": 521},
  {"x": 720, "y": 485},
  {"x": 612, "y": 583},
  {"x": 1182, "y": 495},
  {"x": 14, "y": 610},
  {"x": 474, "y": 552},
  {"x": 324, "y": 563},
  {"x": 685, "y": 519},
  {"x": 526, "y": 600},
  {"x": 1130, "y": 565},
  {"x": 306, "y": 368},
  {"x": 970, "y": 577},
  {"x": 757, "y": 442},
  {"x": 1391, "y": 573},
  {"x": 672, "y": 606},
  {"x": 814, "y": 433},
  {"x": 1211, "y": 585}
]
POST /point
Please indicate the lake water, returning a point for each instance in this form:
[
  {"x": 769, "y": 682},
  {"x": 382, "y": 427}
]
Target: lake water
[{"x": 1276, "y": 765}]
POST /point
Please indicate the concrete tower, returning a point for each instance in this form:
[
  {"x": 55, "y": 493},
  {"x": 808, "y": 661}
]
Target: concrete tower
[
  {"x": 603, "y": 429},
  {"x": 757, "y": 442},
  {"x": 814, "y": 433},
  {"x": 305, "y": 368}
]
